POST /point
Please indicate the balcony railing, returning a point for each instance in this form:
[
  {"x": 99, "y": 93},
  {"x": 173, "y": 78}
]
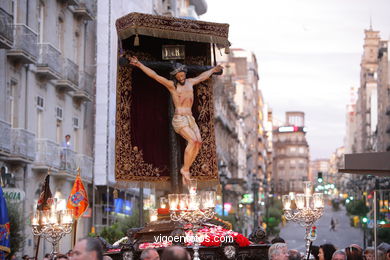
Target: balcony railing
[
  {"x": 62, "y": 160},
  {"x": 48, "y": 154},
  {"x": 85, "y": 9},
  {"x": 49, "y": 62},
  {"x": 6, "y": 32},
  {"x": 25, "y": 47},
  {"x": 85, "y": 87},
  {"x": 5, "y": 137},
  {"x": 68, "y": 160},
  {"x": 71, "y": 71},
  {"x": 70, "y": 76},
  {"x": 22, "y": 144},
  {"x": 86, "y": 164}
]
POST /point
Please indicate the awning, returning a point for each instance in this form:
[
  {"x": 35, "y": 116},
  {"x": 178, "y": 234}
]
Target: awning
[
  {"x": 367, "y": 164},
  {"x": 172, "y": 28}
]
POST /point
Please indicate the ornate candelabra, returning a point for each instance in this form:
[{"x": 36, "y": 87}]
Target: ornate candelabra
[
  {"x": 52, "y": 225},
  {"x": 308, "y": 209},
  {"x": 194, "y": 209}
]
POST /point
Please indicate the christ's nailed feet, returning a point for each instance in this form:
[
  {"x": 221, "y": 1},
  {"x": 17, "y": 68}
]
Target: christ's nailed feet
[{"x": 185, "y": 176}]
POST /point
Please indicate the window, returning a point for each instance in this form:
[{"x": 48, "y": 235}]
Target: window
[
  {"x": 40, "y": 103},
  {"x": 59, "y": 113},
  {"x": 41, "y": 19},
  {"x": 14, "y": 104},
  {"x": 75, "y": 122}
]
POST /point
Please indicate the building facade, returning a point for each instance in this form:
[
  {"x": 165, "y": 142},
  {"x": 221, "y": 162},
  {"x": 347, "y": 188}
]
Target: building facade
[
  {"x": 47, "y": 74},
  {"x": 290, "y": 154},
  {"x": 241, "y": 134}
]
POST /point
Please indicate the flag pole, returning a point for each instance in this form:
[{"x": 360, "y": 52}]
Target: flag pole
[
  {"x": 74, "y": 233},
  {"x": 76, "y": 220}
]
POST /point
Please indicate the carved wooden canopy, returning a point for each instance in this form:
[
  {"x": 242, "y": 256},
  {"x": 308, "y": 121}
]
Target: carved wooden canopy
[{"x": 172, "y": 28}]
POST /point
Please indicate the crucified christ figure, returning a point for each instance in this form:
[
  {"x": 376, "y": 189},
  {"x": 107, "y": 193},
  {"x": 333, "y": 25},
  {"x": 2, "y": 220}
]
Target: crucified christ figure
[{"x": 182, "y": 92}]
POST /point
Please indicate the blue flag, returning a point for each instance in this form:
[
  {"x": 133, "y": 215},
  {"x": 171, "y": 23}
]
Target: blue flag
[{"x": 4, "y": 227}]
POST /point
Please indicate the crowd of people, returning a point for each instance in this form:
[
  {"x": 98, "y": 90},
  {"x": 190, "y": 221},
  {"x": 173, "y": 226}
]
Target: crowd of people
[
  {"x": 279, "y": 251},
  {"x": 91, "y": 249}
]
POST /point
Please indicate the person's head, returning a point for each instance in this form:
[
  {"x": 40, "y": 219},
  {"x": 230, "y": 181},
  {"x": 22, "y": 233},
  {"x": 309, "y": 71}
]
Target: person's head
[
  {"x": 388, "y": 254},
  {"x": 87, "y": 249},
  {"x": 67, "y": 138},
  {"x": 149, "y": 254},
  {"x": 339, "y": 255},
  {"x": 294, "y": 254},
  {"x": 277, "y": 240},
  {"x": 62, "y": 257},
  {"x": 326, "y": 251},
  {"x": 179, "y": 73},
  {"x": 354, "y": 252},
  {"x": 278, "y": 251},
  {"x": 25, "y": 257},
  {"x": 175, "y": 253},
  {"x": 315, "y": 250},
  {"x": 46, "y": 257},
  {"x": 369, "y": 253}
]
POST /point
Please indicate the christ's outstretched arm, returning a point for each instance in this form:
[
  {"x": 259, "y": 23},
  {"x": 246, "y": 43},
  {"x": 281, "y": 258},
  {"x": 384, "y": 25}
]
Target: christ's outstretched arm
[{"x": 207, "y": 74}]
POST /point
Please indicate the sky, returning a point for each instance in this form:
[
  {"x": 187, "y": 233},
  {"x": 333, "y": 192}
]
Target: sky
[{"x": 308, "y": 53}]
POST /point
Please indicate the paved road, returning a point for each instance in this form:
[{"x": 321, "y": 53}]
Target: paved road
[{"x": 344, "y": 235}]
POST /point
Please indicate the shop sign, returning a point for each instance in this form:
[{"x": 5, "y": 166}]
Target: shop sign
[{"x": 14, "y": 194}]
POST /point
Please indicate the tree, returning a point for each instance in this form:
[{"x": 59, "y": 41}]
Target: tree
[
  {"x": 16, "y": 225},
  {"x": 357, "y": 208}
]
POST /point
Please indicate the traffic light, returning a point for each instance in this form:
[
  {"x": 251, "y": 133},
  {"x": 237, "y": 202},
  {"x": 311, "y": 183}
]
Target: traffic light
[
  {"x": 364, "y": 220},
  {"x": 319, "y": 177}
]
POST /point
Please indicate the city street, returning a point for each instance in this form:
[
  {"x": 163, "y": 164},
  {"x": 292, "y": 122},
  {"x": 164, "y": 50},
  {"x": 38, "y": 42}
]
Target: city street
[{"x": 341, "y": 238}]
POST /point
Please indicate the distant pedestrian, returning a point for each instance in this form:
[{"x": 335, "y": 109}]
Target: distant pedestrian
[
  {"x": 326, "y": 251},
  {"x": 339, "y": 255},
  {"x": 278, "y": 251},
  {"x": 332, "y": 225}
]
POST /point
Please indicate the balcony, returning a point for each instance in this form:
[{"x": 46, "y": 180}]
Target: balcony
[
  {"x": 25, "y": 49},
  {"x": 62, "y": 162},
  {"x": 84, "y": 10},
  {"x": 47, "y": 155},
  {"x": 84, "y": 91},
  {"x": 5, "y": 138},
  {"x": 49, "y": 62},
  {"x": 86, "y": 164},
  {"x": 22, "y": 146},
  {"x": 6, "y": 32},
  {"x": 70, "y": 76}
]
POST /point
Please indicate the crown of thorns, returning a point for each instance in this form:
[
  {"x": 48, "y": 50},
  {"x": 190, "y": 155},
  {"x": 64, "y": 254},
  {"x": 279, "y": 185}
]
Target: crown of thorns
[{"x": 178, "y": 68}]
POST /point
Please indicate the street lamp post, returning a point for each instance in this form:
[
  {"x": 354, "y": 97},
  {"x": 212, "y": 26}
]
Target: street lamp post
[
  {"x": 255, "y": 186},
  {"x": 223, "y": 180}
]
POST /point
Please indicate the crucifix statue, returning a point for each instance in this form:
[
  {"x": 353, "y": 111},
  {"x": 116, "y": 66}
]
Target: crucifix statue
[{"x": 182, "y": 93}]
